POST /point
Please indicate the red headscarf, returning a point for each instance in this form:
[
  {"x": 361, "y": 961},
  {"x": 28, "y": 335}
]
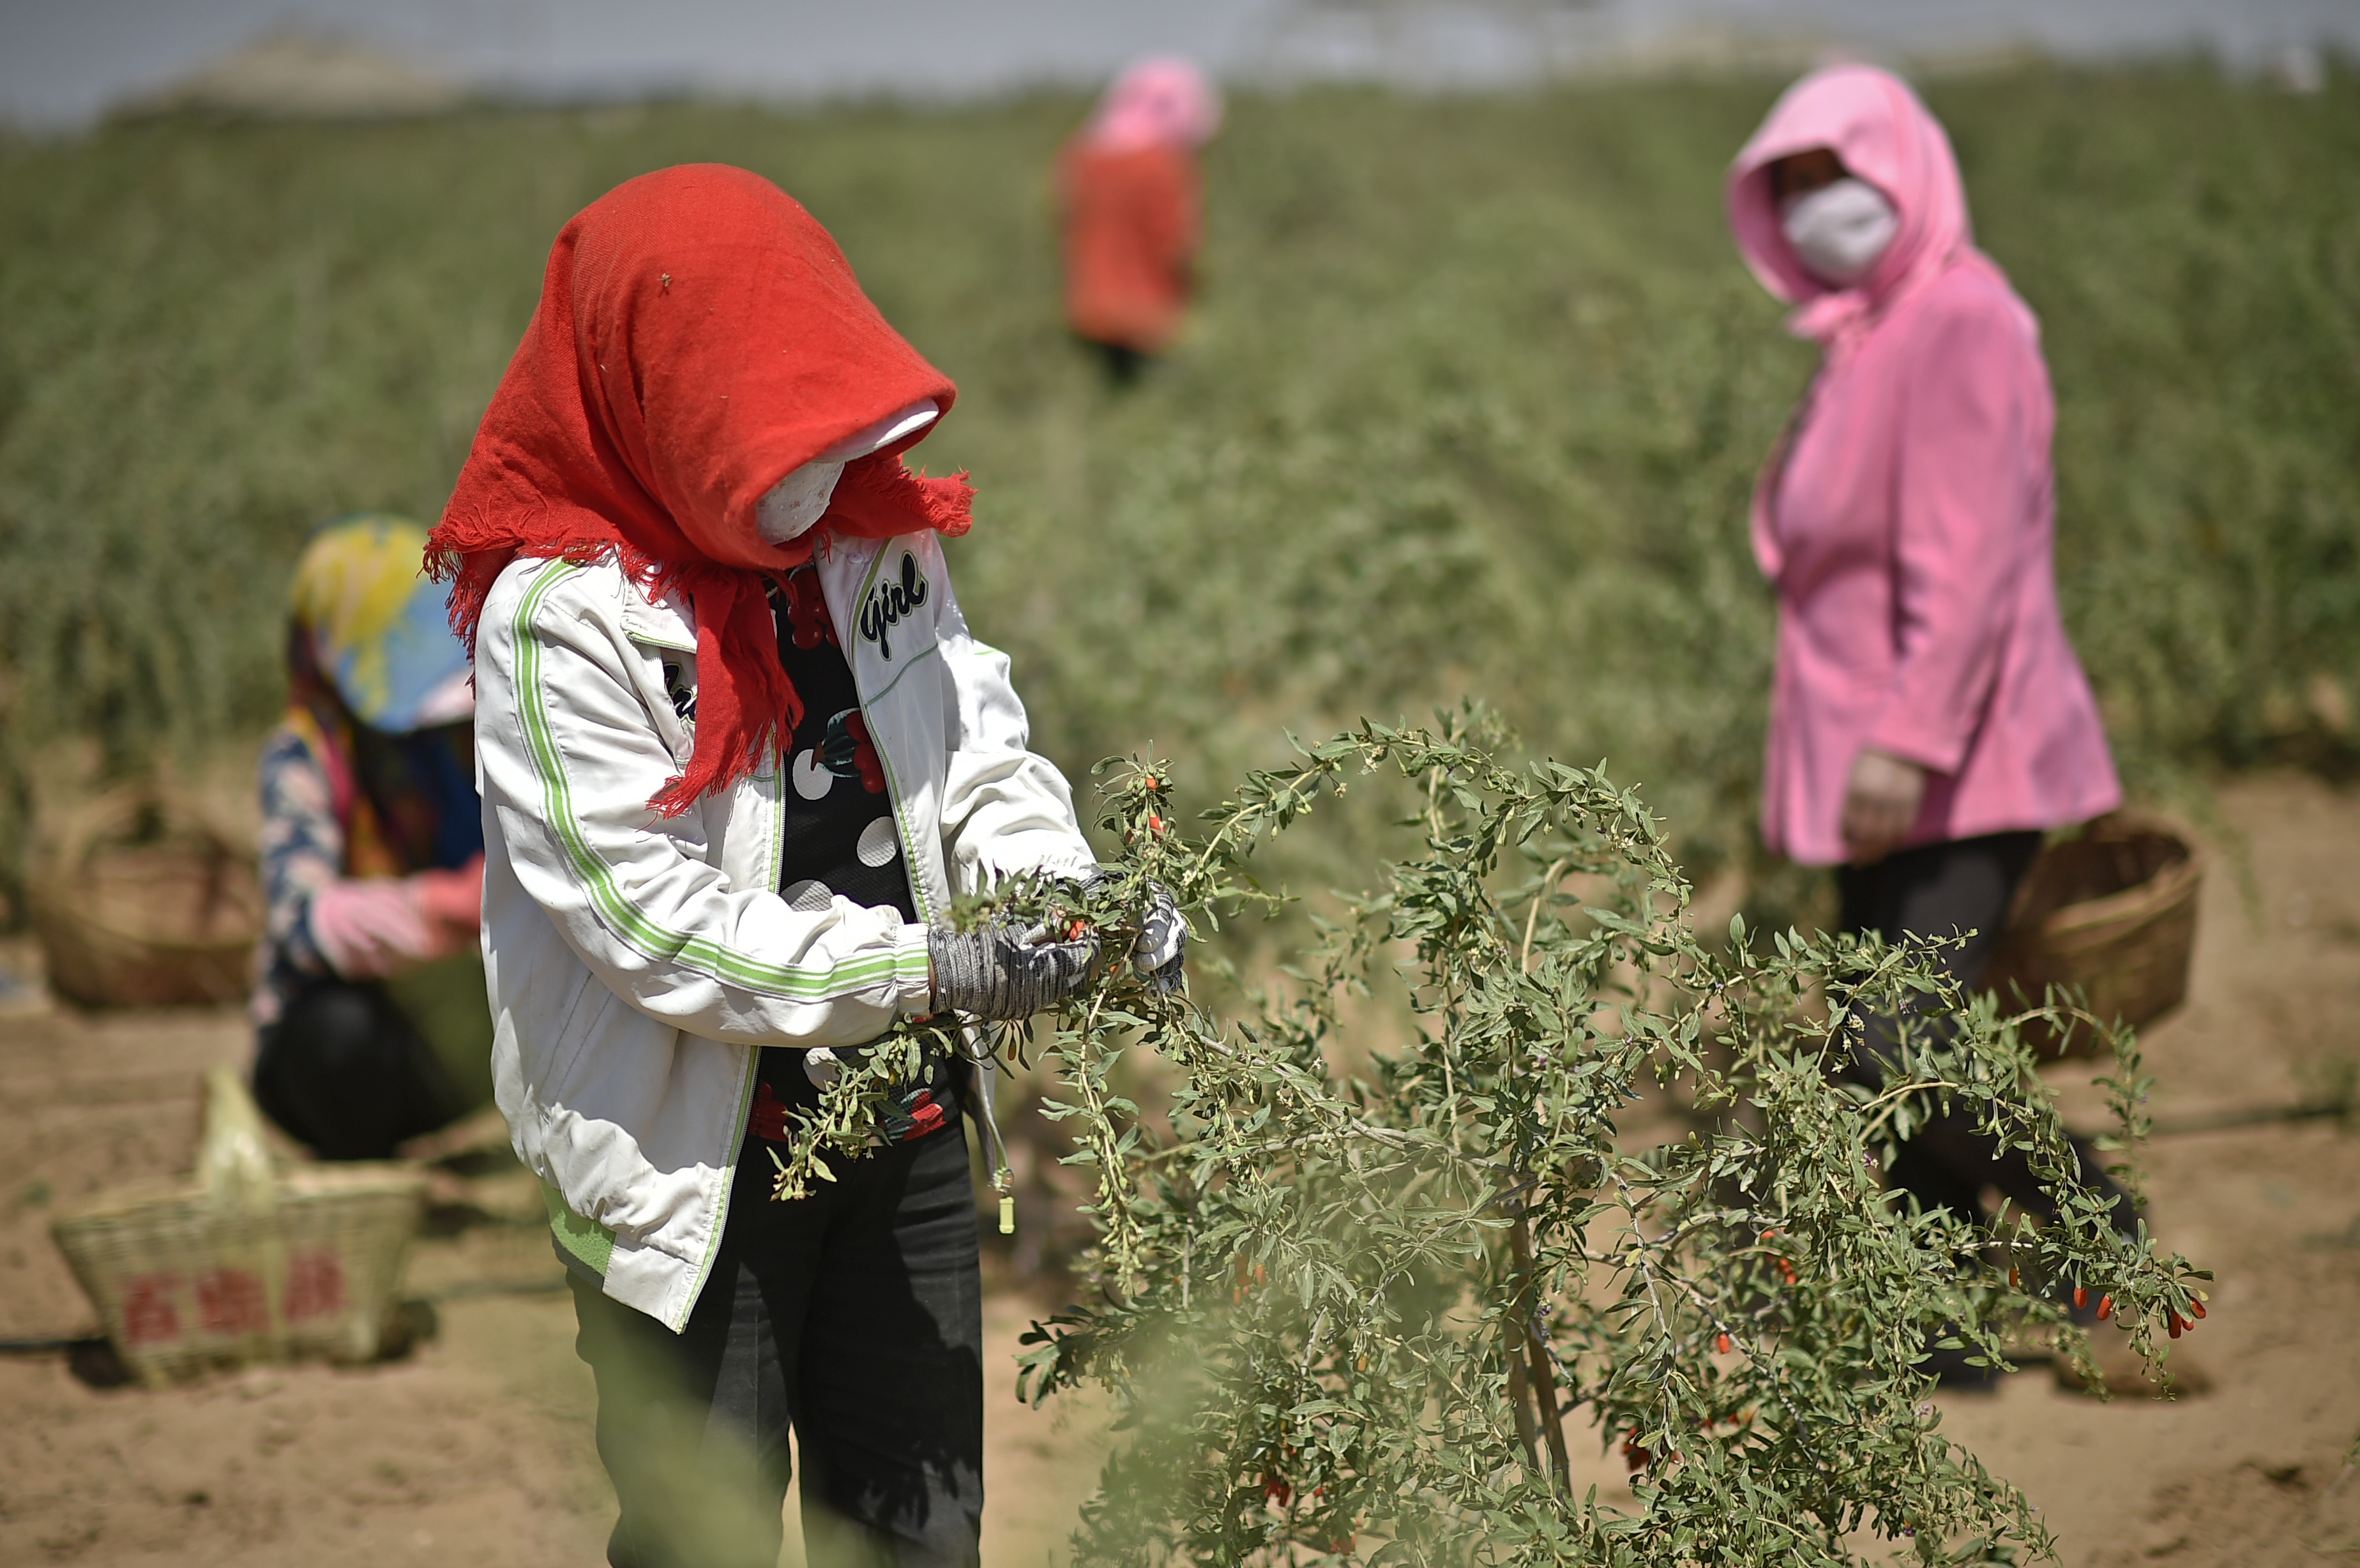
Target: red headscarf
[{"x": 699, "y": 337}]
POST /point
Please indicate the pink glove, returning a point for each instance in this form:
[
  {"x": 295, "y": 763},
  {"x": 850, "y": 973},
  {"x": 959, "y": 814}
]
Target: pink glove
[{"x": 454, "y": 902}]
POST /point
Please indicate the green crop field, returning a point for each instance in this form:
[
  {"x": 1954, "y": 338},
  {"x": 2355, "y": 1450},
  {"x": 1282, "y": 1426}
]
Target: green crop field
[{"x": 1472, "y": 405}]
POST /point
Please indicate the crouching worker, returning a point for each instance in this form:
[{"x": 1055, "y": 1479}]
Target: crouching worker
[
  {"x": 369, "y": 1009},
  {"x": 739, "y": 753}
]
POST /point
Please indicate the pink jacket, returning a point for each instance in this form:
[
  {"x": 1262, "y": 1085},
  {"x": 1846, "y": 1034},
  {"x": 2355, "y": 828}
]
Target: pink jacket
[{"x": 1908, "y": 517}]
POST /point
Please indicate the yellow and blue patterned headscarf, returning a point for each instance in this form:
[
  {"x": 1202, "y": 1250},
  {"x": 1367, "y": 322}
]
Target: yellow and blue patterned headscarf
[
  {"x": 378, "y": 627},
  {"x": 379, "y": 691}
]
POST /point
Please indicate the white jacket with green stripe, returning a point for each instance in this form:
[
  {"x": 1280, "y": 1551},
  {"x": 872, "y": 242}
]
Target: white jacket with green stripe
[{"x": 635, "y": 962}]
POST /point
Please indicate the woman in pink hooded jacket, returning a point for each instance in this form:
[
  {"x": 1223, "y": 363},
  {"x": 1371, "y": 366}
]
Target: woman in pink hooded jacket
[{"x": 1929, "y": 719}]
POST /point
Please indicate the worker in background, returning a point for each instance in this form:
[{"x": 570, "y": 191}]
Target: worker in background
[
  {"x": 1131, "y": 197},
  {"x": 1930, "y": 720},
  {"x": 372, "y": 1026}
]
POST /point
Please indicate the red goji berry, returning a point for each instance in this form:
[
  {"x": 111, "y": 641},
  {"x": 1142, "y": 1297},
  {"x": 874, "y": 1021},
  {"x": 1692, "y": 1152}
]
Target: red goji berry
[
  {"x": 2173, "y": 1324},
  {"x": 2196, "y": 1307},
  {"x": 1275, "y": 1488},
  {"x": 1721, "y": 1342},
  {"x": 1149, "y": 780},
  {"x": 1154, "y": 824},
  {"x": 2106, "y": 1308},
  {"x": 2081, "y": 1297},
  {"x": 2014, "y": 1280}
]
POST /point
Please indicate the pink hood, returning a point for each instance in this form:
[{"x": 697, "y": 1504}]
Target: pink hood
[
  {"x": 1163, "y": 101},
  {"x": 1885, "y": 136}
]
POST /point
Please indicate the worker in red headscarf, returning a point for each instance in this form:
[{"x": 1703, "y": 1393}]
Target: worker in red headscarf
[
  {"x": 738, "y": 753},
  {"x": 1130, "y": 186}
]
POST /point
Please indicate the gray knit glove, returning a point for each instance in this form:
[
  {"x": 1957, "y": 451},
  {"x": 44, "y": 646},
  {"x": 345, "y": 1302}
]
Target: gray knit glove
[
  {"x": 1159, "y": 954},
  {"x": 1001, "y": 972}
]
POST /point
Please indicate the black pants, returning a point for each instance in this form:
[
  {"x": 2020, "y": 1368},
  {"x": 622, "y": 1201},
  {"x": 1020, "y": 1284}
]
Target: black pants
[
  {"x": 344, "y": 1072},
  {"x": 1940, "y": 889},
  {"x": 854, "y": 1317},
  {"x": 1123, "y": 364}
]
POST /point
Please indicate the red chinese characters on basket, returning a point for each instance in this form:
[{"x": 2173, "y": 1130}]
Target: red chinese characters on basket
[
  {"x": 231, "y": 1301},
  {"x": 315, "y": 1285},
  {"x": 150, "y": 1316}
]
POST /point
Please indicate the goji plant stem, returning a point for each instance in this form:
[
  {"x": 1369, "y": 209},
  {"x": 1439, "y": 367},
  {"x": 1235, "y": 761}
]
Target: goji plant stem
[
  {"x": 1517, "y": 1403},
  {"x": 1543, "y": 1377}
]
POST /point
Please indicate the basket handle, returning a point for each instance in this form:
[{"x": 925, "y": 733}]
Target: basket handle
[{"x": 234, "y": 1164}]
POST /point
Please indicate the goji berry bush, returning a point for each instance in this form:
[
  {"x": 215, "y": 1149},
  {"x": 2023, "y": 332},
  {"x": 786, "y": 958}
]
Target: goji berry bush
[{"x": 1377, "y": 1314}]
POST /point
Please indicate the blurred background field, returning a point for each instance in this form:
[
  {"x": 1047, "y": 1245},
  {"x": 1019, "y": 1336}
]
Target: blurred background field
[{"x": 1472, "y": 405}]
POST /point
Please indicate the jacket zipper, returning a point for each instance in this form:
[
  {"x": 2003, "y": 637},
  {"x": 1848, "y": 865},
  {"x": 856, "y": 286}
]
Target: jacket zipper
[{"x": 987, "y": 1064}]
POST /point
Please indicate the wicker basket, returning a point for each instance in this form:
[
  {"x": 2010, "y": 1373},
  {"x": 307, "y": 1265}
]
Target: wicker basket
[
  {"x": 190, "y": 1275},
  {"x": 139, "y": 903},
  {"x": 2112, "y": 912}
]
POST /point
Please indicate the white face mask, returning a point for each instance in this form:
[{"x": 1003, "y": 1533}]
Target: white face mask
[
  {"x": 1838, "y": 230},
  {"x": 796, "y": 502}
]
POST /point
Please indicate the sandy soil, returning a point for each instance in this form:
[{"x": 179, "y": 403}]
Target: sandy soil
[{"x": 475, "y": 1448}]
